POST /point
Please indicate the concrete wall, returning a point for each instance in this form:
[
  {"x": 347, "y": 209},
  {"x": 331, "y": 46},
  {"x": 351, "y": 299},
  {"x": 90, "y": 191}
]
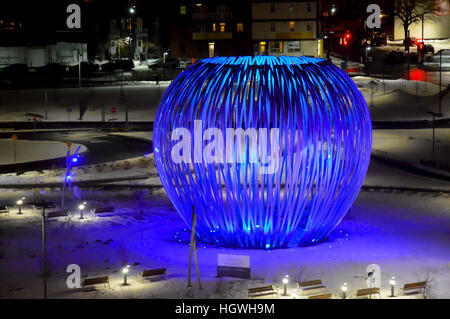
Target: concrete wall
[
  {"x": 62, "y": 52},
  {"x": 437, "y": 27}
]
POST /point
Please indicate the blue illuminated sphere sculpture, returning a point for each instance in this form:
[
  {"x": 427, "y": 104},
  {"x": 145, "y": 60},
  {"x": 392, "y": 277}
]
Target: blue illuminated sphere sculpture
[{"x": 269, "y": 150}]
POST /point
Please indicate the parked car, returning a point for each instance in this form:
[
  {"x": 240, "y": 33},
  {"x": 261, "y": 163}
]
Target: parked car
[
  {"x": 170, "y": 63},
  {"x": 118, "y": 64},
  {"x": 86, "y": 67},
  {"x": 425, "y": 48},
  {"x": 51, "y": 70},
  {"x": 395, "y": 57},
  {"x": 16, "y": 70}
]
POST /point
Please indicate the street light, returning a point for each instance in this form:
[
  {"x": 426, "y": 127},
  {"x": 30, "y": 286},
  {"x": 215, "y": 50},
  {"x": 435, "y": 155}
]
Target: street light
[
  {"x": 368, "y": 48},
  {"x": 285, "y": 283},
  {"x": 392, "y": 283},
  {"x": 131, "y": 10},
  {"x": 344, "y": 290},
  {"x": 19, "y": 203},
  {"x": 125, "y": 272},
  {"x": 81, "y": 207}
]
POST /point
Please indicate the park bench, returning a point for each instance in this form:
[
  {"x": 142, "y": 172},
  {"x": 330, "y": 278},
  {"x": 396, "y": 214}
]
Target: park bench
[
  {"x": 58, "y": 213},
  {"x": 262, "y": 291},
  {"x": 414, "y": 287},
  {"x": 368, "y": 292},
  {"x": 100, "y": 210},
  {"x": 310, "y": 286},
  {"x": 153, "y": 272},
  {"x": 4, "y": 210},
  {"x": 321, "y": 296},
  {"x": 96, "y": 281}
]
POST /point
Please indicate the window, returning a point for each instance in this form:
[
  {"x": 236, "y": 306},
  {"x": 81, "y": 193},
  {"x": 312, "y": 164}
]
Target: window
[
  {"x": 222, "y": 27},
  {"x": 240, "y": 27},
  {"x": 211, "y": 46},
  {"x": 308, "y": 7},
  {"x": 182, "y": 9},
  {"x": 294, "y": 46},
  {"x": 276, "y": 47},
  {"x": 214, "y": 27},
  {"x": 262, "y": 46},
  {"x": 291, "y": 7},
  {"x": 272, "y": 8},
  {"x": 273, "y": 27},
  {"x": 292, "y": 26},
  {"x": 308, "y": 26}
]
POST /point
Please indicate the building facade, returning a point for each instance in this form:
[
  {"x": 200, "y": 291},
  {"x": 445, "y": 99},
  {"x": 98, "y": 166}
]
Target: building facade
[
  {"x": 286, "y": 28},
  {"x": 211, "y": 28}
]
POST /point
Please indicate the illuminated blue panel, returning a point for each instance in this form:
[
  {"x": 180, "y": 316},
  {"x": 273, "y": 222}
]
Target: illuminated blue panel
[{"x": 324, "y": 141}]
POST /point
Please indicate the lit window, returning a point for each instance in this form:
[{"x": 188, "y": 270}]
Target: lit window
[
  {"x": 292, "y": 26},
  {"x": 272, "y": 27},
  {"x": 272, "y": 7},
  {"x": 222, "y": 27},
  {"x": 240, "y": 27},
  {"x": 262, "y": 45},
  {"x": 182, "y": 9},
  {"x": 211, "y": 47},
  {"x": 214, "y": 27}
]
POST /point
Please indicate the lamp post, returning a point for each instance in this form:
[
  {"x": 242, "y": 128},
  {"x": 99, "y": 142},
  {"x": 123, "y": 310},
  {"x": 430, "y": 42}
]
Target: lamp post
[
  {"x": 392, "y": 283},
  {"x": 344, "y": 290},
  {"x": 125, "y": 271},
  {"x": 19, "y": 203},
  {"x": 81, "y": 207},
  {"x": 367, "y": 64},
  {"x": 285, "y": 283}
]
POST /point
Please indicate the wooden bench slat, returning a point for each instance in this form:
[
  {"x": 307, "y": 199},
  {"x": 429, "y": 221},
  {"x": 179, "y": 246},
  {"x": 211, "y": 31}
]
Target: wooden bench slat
[
  {"x": 368, "y": 291},
  {"x": 262, "y": 291},
  {"x": 310, "y": 283},
  {"x": 100, "y": 210},
  {"x": 415, "y": 285},
  {"x": 322, "y": 296},
  {"x": 153, "y": 272},
  {"x": 96, "y": 281}
]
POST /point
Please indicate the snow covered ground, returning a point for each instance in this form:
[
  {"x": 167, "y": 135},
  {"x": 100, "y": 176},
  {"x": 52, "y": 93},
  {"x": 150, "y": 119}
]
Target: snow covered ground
[
  {"x": 401, "y": 144},
  {"x": 406, "y": 234},
  {"x": 31, "y": 151},
  {"x": 392, "y": 100}
]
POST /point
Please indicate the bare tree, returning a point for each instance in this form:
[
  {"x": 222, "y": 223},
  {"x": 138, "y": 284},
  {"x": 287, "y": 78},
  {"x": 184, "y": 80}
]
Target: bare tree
[{"x": 412, "y": 11}]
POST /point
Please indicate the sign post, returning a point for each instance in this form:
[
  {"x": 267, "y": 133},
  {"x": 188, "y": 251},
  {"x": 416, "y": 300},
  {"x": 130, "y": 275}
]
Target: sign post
[
  {"x": 68, "y": 110},
  {"x": 14, "y": 138},
  {"x": 233, "y": 266}
]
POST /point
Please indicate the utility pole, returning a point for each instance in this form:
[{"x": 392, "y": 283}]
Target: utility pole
[
  {"x": 193, "y": 249},
  {"x": 44, "y": 251},
  {"x": 440, "y": 83}
]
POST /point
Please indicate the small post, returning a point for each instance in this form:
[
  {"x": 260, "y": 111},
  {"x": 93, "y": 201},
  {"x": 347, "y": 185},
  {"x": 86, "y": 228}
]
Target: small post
[
  {"x": 285, "y": 283},
  {"x": 193, "y": 249}
]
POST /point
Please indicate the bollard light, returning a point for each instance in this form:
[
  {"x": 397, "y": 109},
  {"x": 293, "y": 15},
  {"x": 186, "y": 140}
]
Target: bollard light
[
  {"x": 344, "y": 290},
  {"x": 19, "y": 203},
  {"x": 125, "y": 272},
  {"x": 392, "y": 283},
  {"x": 285, "y": 283},
  {"x": 81, "y": 208}
]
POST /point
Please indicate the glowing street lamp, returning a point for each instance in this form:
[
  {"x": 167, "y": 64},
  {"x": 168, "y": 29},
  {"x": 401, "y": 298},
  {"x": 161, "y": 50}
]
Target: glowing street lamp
[
  {"x": 81, "y": 207},
  {"x": 125, "y": 271},
  {"x": 131, "y": 10},
  {"x": 285, "y": 283},
  {"x": 19, "y": 203},
  {"x": 344, "y": 290},
  {"x": 392, "y": 283}
]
